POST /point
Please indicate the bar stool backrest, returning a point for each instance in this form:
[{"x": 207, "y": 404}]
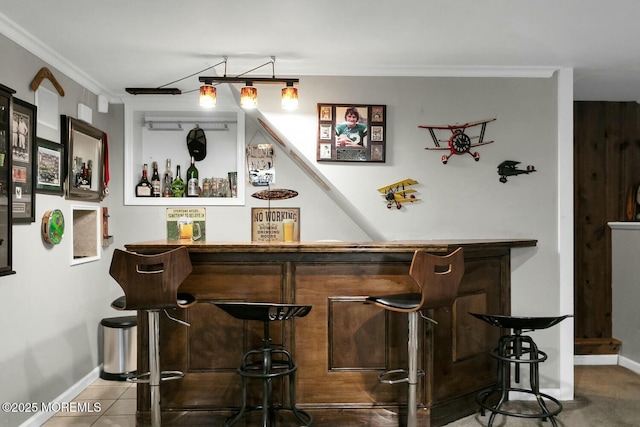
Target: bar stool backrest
[
  {"x": 438, "y": 277},
  {"x": 151, "y": 281}
]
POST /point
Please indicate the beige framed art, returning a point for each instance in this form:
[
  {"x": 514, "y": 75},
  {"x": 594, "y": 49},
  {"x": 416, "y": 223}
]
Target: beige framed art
[{"x": 275, "y": 225}]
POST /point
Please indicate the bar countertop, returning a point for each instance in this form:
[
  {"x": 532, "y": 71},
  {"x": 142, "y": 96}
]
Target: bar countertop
[{"x": 444, "y": 245}]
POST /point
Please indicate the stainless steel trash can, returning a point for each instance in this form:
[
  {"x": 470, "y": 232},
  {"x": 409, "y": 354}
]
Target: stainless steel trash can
[{"x": 119, "y": 343}]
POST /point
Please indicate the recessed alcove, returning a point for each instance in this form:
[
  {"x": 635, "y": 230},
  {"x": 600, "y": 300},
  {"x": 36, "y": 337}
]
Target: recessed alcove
[{"x": 86, "y": 234}]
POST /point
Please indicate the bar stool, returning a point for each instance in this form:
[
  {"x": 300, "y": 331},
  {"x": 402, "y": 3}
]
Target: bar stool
[
  {"x": 150, "y": 283},
  {"x": 267, "y": 363},
  {"x": 511, "y": 349},
  {"x": 438, "y": 277}
]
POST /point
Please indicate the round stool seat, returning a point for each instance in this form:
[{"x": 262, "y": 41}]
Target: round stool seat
[
  {"x": 264, "y": 312},
  {"x": 520, "y": 323},
  {"x": 267, "y": 363},
  {"x": 518, "y": 349}
]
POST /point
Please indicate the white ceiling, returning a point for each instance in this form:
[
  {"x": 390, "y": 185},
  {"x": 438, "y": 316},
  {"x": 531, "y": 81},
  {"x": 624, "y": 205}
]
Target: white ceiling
[{"x": 110, "y": 45}]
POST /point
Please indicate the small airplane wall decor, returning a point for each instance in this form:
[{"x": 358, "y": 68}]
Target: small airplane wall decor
[
  {"x": 509, "y": 168},
  {"x": 459, "y": 142},
  {"x": 397, "y": 194}
]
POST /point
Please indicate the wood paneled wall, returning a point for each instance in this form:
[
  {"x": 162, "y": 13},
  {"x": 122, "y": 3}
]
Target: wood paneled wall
[{"x": 606, "y": 164}]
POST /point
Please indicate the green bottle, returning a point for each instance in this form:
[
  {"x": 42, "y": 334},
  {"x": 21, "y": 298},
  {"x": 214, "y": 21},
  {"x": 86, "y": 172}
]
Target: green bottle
[
  {"x": 177, "y": 186},
  {"x": 193, "y": 186}
]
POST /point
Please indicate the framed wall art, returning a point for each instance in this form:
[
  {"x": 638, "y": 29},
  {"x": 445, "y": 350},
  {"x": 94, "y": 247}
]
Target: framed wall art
[
  {"x": 23, "y": 153},
  {"x": 351, "y": 133},
  {"x": 84, "y": 146},
  {"x": 50, "y": 172}
]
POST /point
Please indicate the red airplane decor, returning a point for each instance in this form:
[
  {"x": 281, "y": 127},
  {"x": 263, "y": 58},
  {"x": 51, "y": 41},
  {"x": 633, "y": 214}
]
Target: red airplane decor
[{"x": 459, "y": 142}]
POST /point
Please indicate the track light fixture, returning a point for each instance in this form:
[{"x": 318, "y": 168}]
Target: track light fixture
[
  {"x": 249, "y": 94},
  {"x": 164, "y": 90}
]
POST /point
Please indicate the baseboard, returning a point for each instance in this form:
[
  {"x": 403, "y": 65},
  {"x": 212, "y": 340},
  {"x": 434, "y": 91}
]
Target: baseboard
[
  {"x": 629, "y": 364},
  {"x": 600, "y": 359},
  {"x": 67, "y": 396}
]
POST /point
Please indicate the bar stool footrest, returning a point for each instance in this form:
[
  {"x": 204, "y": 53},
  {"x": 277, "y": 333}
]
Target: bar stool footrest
[
  {"x": 383, "y": 377},
  {"x": 145, "y": 378},
  {"x": 544, "y": 413}
]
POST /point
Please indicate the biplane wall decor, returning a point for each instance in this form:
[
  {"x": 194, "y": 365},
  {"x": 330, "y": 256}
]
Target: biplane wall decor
[
  {"x": 398, "y": 193},
  {"x": 351, "y": 133},
  {"x": 459, "y": 141},
  {"x": 510, "y": 168}
]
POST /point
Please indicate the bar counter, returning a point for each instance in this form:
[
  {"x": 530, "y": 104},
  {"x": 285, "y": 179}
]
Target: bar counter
[{"x": 343, "y": 344}]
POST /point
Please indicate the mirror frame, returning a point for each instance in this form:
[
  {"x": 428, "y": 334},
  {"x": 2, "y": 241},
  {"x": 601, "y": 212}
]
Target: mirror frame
[{"x": 71, "y": 130}]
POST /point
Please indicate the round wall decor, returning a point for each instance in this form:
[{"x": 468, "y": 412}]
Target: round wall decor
[{"x": 53, "y": 226}]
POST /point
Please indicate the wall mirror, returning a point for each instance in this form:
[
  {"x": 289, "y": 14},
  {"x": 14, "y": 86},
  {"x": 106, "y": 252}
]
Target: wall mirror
[{"x": 85, "y": 160}]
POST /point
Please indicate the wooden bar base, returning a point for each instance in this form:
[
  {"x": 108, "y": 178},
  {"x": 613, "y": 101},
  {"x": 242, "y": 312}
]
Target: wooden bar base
[{"x": 343, "y": 344}]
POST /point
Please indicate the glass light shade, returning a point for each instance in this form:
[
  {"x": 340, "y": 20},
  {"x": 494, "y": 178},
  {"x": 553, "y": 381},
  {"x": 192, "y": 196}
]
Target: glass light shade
[
  {"x": 207, "y": 96},
  {"x": 249, "y": 97},
  {"x": 290, "y": 98}
]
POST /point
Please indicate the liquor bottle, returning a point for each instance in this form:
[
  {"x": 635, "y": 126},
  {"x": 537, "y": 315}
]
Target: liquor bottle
[
  {"x": 84, "y": 179},
  {"x": 192, "y": 180},
  {"x": 177, "y": 186},
  {"x": 89, "y": 172},
  {"x": 155, "y": 181},
  {"x": 77, "y": 171},
  {"x": 167, "y": 179},
  {"x": 143, "y": 189}
]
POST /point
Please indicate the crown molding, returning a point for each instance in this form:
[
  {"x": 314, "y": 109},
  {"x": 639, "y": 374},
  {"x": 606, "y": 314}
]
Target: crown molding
[
  {"x": 29, "y": 42},
  {"x": 433, "y": 71}
]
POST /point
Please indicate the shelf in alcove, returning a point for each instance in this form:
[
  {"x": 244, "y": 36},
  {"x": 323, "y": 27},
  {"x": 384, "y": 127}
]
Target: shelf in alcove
[{"x": 186, "y": 201}]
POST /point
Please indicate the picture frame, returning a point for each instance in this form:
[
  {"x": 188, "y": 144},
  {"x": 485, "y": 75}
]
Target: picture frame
[
  {"x": 351, "y": 133},
  {"x": 50, "y": 167},
  {"x": 23, "y": 155},
  {"x": 84, "y": 146}
]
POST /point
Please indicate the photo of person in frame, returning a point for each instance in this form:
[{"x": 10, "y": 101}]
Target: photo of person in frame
[
  {"x": 353, "y": 132},
  {"x": 325, "y": 113},
  {"x": 20, "y": 139}
]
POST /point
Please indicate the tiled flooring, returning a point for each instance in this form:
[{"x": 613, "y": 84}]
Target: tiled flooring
[{"x": 117, "y": 407}]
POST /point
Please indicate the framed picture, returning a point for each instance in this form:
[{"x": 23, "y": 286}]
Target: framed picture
[
  {"x": 275, "y": 225},
  {"x": 351, "y": 133},
  {"x": 50, "y": 171},
  {"x": 84, "y": 146},
  {"x": 23, "y": 155}
]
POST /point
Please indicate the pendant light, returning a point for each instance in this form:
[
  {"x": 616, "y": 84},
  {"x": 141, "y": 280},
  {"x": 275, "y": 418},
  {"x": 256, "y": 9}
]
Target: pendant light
[
  {"x": 289, "y": 97},
  {"x": 249, "y": 96},
  {"x": 207, "y": 96}
]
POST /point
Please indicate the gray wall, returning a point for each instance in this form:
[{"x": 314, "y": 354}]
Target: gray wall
[{"x": 51, "y": 311}]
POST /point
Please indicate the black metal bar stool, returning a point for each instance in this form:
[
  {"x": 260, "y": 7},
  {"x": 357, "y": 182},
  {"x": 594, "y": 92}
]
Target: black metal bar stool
[
  {"x": 267, "y": 363},
  {"x": 517, "y": 348},
  {"x": 438, "y": 278},
  {"x": 150, "y": 283}
]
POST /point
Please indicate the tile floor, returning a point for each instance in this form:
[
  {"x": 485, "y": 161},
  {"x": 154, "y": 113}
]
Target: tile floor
[{"x": 117, "y": 406}]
